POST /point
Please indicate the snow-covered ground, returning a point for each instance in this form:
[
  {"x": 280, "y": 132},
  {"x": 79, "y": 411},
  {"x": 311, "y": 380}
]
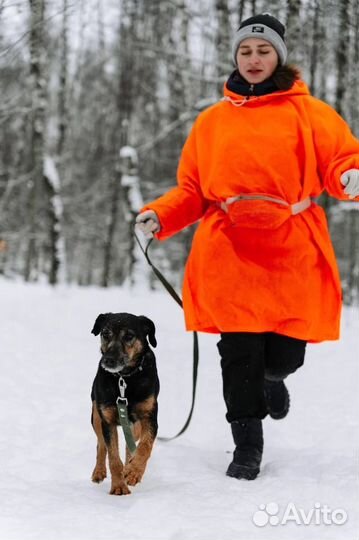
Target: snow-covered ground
[{"x": 48, "y": 360}]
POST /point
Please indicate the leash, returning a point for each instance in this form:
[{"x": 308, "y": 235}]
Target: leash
[
  {"x": 122, "y": 403},
  {"x": 122, "y": 409},
  {"x": 175, "y": 296}
]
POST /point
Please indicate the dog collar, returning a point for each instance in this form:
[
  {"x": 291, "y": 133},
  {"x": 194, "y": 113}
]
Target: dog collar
[{"x": 134, "y": 371}]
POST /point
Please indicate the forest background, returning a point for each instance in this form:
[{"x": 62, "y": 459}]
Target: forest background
[{"x": 97, "y": 97}]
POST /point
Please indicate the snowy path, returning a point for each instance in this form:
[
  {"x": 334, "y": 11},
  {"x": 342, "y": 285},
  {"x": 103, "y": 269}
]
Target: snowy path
[{"x": 47, "y": 452}]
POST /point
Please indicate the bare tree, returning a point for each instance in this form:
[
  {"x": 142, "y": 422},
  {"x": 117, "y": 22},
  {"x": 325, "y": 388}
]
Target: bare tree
[
  {"x": 354, "y": 73},
  {"x": 223, "y": 40},
  {"x": 241, "y": 10},
  {"x": 294, "y": 31},
  {"x": 352, "y": 219},
  {"x": 38, "y": 84},
  {"x": 316, "y": 44},
  {"x": 342, "y": 55},
  {"x": 55, "y": 168},
  {"x": 55, "y": 213},
  {"x": 63, "y": 86}
]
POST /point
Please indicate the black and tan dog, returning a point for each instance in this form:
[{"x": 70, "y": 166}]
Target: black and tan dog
[{"x": 127, "y": 355}]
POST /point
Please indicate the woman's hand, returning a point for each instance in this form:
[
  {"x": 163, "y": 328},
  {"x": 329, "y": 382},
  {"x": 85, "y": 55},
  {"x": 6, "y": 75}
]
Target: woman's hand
[
  {"x": 148, "y": 223},
  {"x": 350, "y": 179}
]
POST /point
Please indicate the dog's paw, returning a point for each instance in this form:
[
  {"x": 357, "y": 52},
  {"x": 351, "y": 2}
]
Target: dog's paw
[
  {"x": 133, "y": 475},
  {"x": 120, "y": 489},
  {"x": 98, "y": 475}
]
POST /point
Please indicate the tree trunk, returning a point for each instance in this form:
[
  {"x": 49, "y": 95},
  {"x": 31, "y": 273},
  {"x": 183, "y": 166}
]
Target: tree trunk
[
  {"x": 342, "y": 56},
  {"x": 138, "y": 271},
  {"x": 294, "y": 32},
  {"x": 63, "y": 113},
  {"x": 112, "y": 222},
  {"x": 316, "y": 44},
  {"x": 254, "y": 7},
  {"x": 38, "y": 83},
  {"x": 241, "y": 11},
  {"x": 354, "y": 100},
  {"x": 55, "y": 212},
  {"x": 223, "y": 41},
  {"x": 353, "y": 257},
  {"x": 127, "y": 73}
]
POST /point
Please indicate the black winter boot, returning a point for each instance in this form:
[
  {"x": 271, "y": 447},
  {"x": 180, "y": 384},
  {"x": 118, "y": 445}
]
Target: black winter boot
[
  {"x": 247, "y": 456},
  {"x": 277, "y": 398}
]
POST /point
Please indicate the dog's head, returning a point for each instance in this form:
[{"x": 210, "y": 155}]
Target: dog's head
[{"x": 123, "y": 339}]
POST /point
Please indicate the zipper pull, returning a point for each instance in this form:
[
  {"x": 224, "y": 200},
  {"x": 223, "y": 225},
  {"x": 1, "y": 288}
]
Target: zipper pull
[{"x": 251, "y": 90}]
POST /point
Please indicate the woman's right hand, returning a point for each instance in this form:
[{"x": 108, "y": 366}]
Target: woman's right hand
[{"x": 148, "y": 223}]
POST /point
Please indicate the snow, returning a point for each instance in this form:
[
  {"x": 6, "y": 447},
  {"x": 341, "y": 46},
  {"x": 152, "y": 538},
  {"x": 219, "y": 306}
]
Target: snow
[
  {"x": 129, "y": 152},
  {"x": 52, "y": 175},
  {"x": 134, "y": 195},
  {"x": 129, "y": 179},
  {"x": 47, "y": 451}
]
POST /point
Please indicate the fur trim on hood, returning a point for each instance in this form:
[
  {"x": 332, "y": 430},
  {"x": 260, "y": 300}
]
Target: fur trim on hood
[{"x": 285, "y": 76}]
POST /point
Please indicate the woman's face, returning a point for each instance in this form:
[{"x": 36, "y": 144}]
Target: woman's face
[{"x": 256, "y": 59}]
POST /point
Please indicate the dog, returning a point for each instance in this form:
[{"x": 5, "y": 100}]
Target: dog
[{"x": 126, "y": 355}]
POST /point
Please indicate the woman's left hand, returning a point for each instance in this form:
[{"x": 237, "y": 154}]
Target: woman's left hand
[{"x": 350, "y": 179}]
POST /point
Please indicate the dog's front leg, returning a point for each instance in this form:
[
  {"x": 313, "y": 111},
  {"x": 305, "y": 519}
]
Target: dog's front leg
[
  {"x": 135, "y": 469},
  {"x": 99, "y": 472},
  {"x": 118, "y": 483},
  {"x": 136, "y": 433}
]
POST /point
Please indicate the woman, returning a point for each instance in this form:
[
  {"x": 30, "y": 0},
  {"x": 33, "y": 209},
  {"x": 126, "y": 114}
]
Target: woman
[{"x": 262, "y": 270}]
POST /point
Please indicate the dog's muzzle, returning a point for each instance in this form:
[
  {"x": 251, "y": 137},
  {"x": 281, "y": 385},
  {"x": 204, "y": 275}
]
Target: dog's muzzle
[{"x": 114, "y": 363}]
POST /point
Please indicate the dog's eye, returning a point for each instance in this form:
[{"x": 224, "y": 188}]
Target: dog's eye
[
  {"x": 128, "y": 336},
  {"x": 106, "y": 334}
]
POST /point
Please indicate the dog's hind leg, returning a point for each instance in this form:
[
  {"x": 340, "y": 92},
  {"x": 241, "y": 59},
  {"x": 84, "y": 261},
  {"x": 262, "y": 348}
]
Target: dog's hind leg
[{"x": 99, "y": 472}]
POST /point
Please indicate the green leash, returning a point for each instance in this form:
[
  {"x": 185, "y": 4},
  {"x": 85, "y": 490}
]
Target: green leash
[
  {"x": 175, "y": 296},
  {"x": 122, "y": 403}
]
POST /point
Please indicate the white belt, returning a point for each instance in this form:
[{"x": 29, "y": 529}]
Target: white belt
[{"x": 295, "y": 208}]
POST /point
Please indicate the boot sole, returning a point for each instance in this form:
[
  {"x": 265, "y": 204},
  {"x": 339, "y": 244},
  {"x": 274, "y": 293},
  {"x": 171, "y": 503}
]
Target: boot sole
[
  {"x": 281, "y": 414},
  {"x": 278, "y": 415},
  {"x": 240, "y": 471}
]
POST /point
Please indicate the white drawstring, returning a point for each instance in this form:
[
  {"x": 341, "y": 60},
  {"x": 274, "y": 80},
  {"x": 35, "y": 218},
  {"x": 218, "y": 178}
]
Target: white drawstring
[{"x": 235, "y": 102}]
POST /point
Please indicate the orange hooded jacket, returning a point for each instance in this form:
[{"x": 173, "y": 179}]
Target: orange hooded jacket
[{"x": 241, "y": 278}]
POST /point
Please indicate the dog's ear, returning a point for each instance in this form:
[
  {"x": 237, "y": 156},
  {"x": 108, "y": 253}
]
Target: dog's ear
[
  {"x": 149, "y": 328},
  {"x": 99, "y": 323}
]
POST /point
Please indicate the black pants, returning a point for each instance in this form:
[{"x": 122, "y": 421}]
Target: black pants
[{"x": 246, "y": 360}]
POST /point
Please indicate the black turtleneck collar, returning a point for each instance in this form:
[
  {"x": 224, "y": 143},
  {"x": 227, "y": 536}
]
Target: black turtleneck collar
[{"x": 238, "y": 84}]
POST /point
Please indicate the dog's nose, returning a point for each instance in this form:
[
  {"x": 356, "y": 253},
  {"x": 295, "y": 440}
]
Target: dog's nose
[
  {"x": 114, "y": 357},
  {"x": 109, "y": 359}
]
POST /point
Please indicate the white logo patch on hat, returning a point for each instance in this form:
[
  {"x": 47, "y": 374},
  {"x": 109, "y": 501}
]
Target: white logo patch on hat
[{"x": 258, "y": 29}]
